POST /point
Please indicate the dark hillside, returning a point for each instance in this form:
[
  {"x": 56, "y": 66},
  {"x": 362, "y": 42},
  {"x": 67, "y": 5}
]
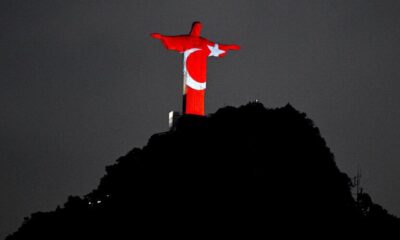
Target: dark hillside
[{"x": 240, "y": 170}]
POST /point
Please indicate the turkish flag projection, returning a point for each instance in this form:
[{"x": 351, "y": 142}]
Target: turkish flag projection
[{"x": 196, "y": 50}]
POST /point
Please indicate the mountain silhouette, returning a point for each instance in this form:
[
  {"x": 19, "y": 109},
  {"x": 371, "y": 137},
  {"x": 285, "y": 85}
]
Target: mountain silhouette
[{"x": 238, "y": 172}]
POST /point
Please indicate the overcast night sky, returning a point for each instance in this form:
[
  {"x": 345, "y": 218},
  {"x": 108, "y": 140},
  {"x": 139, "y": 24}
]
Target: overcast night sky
[{"x": 82, "y": 83}]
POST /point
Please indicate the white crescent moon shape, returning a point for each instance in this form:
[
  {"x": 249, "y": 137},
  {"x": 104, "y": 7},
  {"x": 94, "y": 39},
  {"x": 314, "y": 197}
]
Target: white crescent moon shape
[{"x": 186, "y": 76}]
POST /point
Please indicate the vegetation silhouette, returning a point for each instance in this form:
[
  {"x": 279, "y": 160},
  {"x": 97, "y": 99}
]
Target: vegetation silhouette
[{"x": 240, "y": 171}]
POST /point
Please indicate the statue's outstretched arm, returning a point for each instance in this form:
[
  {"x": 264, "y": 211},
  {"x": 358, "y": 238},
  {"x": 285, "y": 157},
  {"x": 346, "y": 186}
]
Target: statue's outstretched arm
[
  {"x": 220, "y": 50},
  {"x": 227, "y": 47},
  {"x": 176, "y": 43}
]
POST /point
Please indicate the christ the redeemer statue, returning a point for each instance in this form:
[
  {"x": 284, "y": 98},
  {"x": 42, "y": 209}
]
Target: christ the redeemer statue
[{"x": 196, "y": 50}]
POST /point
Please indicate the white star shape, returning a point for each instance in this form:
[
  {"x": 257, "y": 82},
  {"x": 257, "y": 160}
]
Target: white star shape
[{"x": 215, "y": 51}]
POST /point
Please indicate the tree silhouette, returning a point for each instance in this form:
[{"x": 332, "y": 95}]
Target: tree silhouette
[{"x": 240, "y": 171}]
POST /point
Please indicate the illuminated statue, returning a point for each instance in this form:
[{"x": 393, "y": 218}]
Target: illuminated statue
[{"x": 196, "y": 50}]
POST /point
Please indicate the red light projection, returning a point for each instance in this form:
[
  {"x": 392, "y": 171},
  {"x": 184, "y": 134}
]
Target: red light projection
[{"x": 196, "y": 50}]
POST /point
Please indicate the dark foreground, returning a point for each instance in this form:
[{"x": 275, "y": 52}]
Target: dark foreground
[{"x": 239, "y": 172}]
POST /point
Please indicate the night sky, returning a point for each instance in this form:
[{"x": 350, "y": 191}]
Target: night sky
[{"x": 82, "y": 83}]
